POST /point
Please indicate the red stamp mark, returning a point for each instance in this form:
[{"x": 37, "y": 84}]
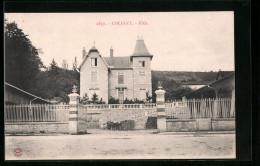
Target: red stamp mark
[{"x": 18, "y": 152}]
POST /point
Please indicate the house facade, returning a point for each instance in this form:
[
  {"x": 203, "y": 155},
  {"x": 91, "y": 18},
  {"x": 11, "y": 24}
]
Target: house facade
[{"x": 121, "y": 77}]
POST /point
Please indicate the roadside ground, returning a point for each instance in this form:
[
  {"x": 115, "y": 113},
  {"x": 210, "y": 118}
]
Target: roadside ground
[{"x": 137, "y": 144}]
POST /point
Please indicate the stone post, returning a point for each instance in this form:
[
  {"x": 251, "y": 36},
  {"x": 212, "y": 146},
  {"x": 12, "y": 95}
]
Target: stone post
[
  {"x": 160, "y": 104},
  {"x": 73, "y": 111}
]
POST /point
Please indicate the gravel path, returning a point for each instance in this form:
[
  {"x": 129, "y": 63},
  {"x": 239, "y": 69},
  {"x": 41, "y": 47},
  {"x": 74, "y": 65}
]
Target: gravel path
[{"x": 121, "y": 145}]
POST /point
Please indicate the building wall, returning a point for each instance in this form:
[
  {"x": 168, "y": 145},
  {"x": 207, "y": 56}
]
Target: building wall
[
  {"x": 128, "y": 82},
  {"x": 102, "y": 78},
  {"x": 147, "y": 85}
]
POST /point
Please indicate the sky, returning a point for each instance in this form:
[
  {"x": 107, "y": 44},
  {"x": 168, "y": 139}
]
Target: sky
[{"x": 178, "y": 41}]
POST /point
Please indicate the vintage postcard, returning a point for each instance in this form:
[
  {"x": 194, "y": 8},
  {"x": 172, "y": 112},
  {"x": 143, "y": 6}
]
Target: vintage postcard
[{"x": 140, "y": 85}]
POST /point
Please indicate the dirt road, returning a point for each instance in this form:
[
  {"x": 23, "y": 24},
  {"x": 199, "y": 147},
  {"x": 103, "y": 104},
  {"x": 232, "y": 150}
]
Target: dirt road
[{"x": 121, "y": 145}]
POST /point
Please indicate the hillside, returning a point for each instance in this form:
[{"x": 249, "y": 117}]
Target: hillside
[{"x": 189, "y": 77}]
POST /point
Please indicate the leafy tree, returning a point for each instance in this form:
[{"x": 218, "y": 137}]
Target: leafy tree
[
  {"x": 22, "y": 61},
  {"x": 148, "y": 97},
  {"x": 94, "y": 98},
  {"x": 49, "y": 84},
  {"x": 85, "y": 99}
]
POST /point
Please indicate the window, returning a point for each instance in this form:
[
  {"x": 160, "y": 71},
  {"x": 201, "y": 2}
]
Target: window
[
  {"x": 93, "y": 61},
  {"x": 142, "y": 78},
  {"x": 94, "y": 77},
  {"x": 141, "y": 63},
  {"x": 120, "y": 78}
]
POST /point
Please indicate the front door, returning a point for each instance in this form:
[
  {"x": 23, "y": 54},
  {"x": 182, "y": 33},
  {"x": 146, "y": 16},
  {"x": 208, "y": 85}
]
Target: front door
[{"x": 121, "y": 96}]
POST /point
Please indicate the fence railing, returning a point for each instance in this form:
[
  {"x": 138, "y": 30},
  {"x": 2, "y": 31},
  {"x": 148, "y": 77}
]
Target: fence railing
[
  {"x": 188, "y": 109},
  {"x": 121, "y": 106},
  {"x": 203, "y": 108},
  {"x": 36, "y": 113}
]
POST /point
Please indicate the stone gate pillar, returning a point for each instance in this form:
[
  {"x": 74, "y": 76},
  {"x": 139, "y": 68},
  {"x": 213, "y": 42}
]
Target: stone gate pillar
[
  {"x": 73, "y": 111},
  {"x": 160, "y": 105}
]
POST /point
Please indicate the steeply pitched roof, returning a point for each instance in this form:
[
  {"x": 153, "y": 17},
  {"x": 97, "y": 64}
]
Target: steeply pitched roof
[
  {"x": 119, "y": 62},
  {"x": 141, "y": 49},
  {"x": 93, "y": 49}
]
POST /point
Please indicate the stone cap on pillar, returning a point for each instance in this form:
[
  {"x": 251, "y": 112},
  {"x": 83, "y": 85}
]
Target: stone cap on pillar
[
  {"x": 74, "y": 93},
  {"x": 160, "y": 88},
  {"x": 160, "y": 91}
]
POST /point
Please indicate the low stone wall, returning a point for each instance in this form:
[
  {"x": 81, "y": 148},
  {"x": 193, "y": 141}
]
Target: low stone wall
[
  {"x": 36, "y": 127},
  {"x": 140, "y": 116},
  {"x": 223, "y": 124},
  {"x": 180, "y": 125}
]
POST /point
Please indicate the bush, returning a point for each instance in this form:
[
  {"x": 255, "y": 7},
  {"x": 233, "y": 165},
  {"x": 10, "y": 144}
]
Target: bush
[{"x": 112, "y": 100}]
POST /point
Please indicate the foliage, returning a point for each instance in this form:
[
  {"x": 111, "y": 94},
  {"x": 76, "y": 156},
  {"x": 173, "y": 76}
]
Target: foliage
[
  {"x": 22, "y": 61},
  {"x": 112, "y": 100},
  {"x": 136, "y": 101},
  {"x": 126, "y": 101},
  {"x": 174, "y": 89},
  {"x": 53, "y": 69},
  {"x": 94, "y": 98},
  {"x": 148, "y": 97},
  {"x": 85, "y": 99},
  {"x": 55, "y": 82}
]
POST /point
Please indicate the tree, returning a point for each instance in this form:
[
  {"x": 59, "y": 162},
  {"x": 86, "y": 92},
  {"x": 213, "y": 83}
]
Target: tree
[
  {"x": 53, "y": 67},
  {"x": 148, "y": 97},
  {"x": 94, "y": 98},
  {"x": 85, "y": 99},
  {"x": 22, "y": 62}
]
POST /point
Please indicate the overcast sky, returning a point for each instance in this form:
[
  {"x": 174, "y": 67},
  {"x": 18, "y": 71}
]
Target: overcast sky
[{"x": 179, "y": 41}]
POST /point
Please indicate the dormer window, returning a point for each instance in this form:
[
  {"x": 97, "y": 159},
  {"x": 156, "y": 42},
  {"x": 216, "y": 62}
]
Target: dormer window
[
  {"x": 141, "y": 63},
  {"x": 93, "y": 62}
]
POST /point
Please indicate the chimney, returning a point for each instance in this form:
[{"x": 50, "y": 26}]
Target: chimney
[
  {"x": 83, "y": 53},
  {"x": 111, "y": 56}
]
